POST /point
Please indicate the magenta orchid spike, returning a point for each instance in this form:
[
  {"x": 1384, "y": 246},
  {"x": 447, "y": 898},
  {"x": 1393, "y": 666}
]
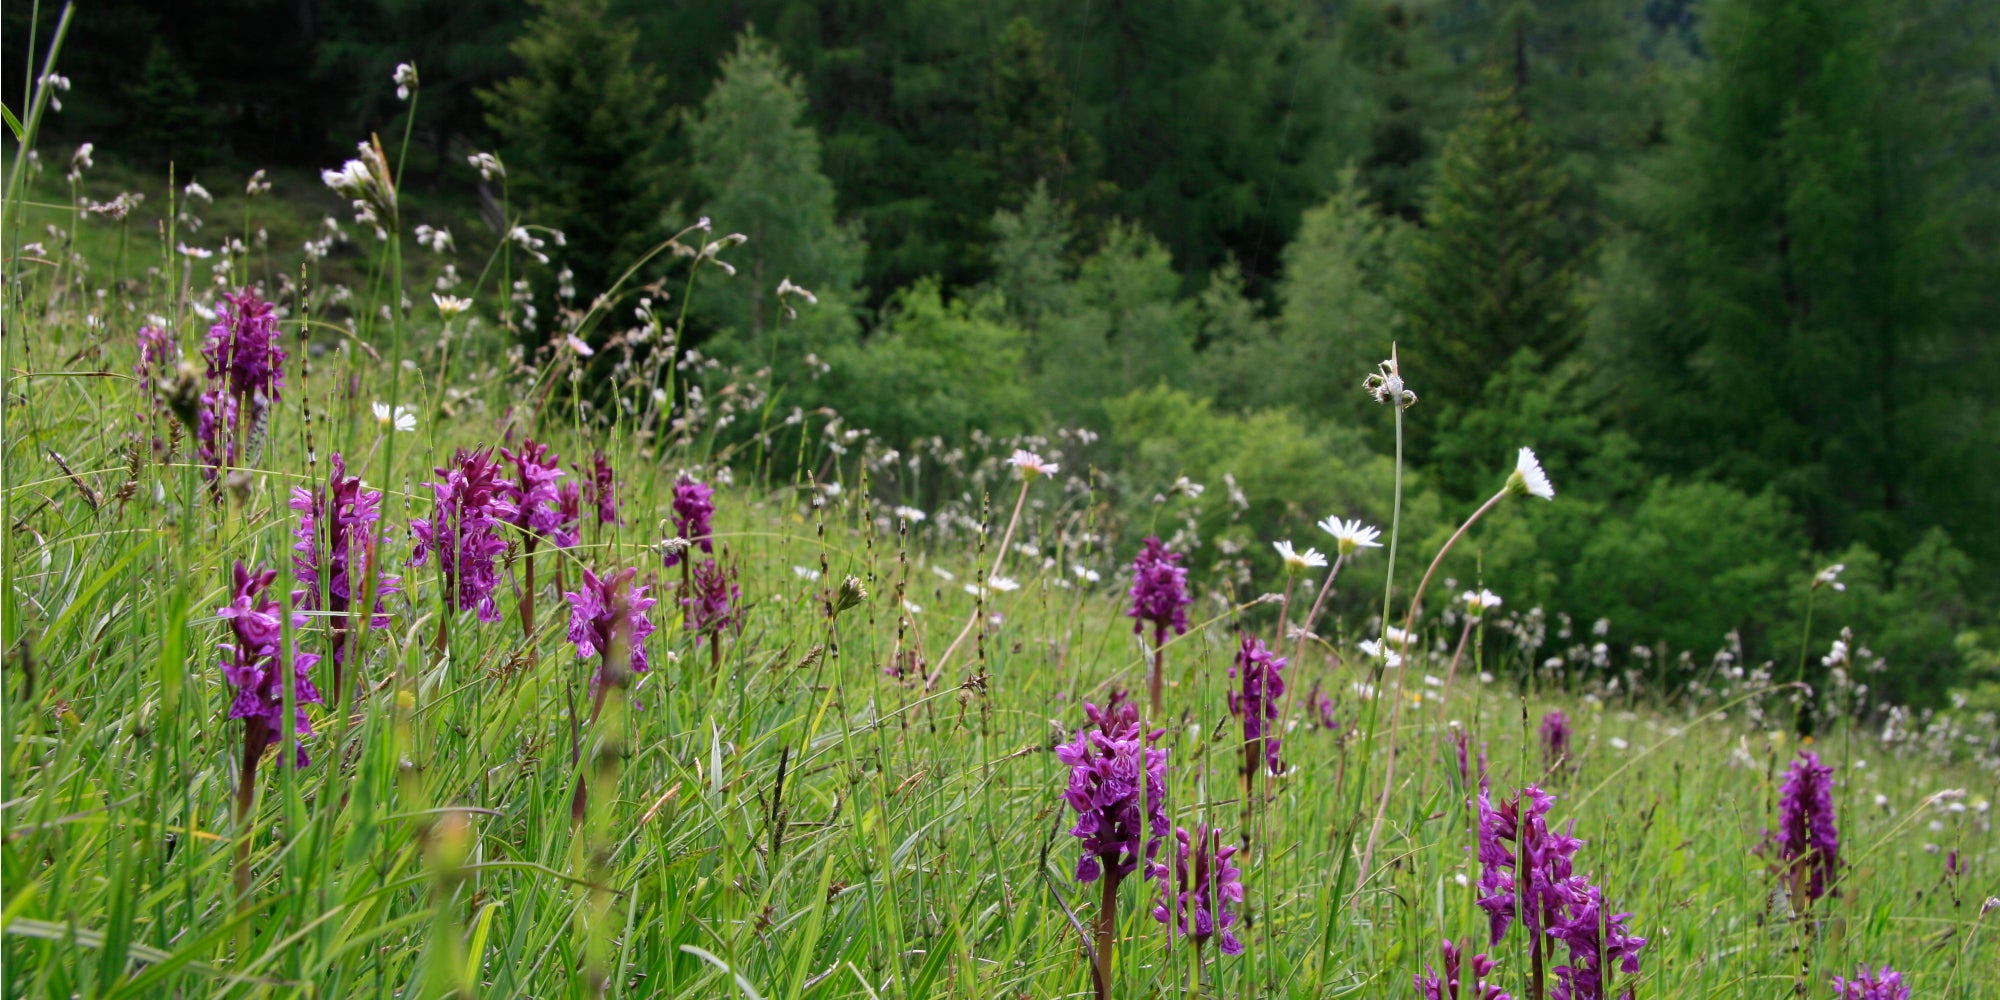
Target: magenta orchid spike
[
  {"x": 1159, "y": 598},
  {"x": 1260, "y": 683},
  {"x": 604, "y": 611},
  {"x": 601, "y": 489},
  {"x": 569, "y": 516},
  {"x": 1201, "y": 888},
  {"x": 1808, "y": 836},
  {"x": 1555, "y": 737},
  {"x": 158, "y": 353},
  {"x": 1882, "y": 984},
  {"x": 336, "y": 547},
  {"x": 1593, "y": 939},
  {"x": 711, "y": 606},
  {"x": 1107, "y": 761},
  {"x": 537, "y": 506},
  {"x": 245, "y": 370},
  {"x": 1506, "y": 841},
  {"x": 1461, "y": 980},
  {"x": 463, "y": 530},
  {"x": 254, "y": 664},
  {"x": 694, "y": 513}
]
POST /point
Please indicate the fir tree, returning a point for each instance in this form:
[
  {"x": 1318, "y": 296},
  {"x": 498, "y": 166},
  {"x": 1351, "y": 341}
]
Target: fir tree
[
  {"x": 1799, "y": 231},
  {"x": 580, "y": 132},
  {"x": 759, "y": 163},
  {"x": 1488, "y": 276}
]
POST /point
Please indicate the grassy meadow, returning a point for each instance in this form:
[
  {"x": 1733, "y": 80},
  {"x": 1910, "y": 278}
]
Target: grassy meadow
[{"x": 850, "y": 789}]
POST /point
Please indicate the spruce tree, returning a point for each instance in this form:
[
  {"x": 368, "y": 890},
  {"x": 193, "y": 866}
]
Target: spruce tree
[
  {"x": 1489, "y": 275},
  {"x": 758, "y": 162},
  {"x": 580, "y": 133}
]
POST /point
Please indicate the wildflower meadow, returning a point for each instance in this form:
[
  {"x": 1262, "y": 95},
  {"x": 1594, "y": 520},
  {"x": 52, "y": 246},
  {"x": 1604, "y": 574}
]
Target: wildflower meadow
[{"x": 384, "y": 616}]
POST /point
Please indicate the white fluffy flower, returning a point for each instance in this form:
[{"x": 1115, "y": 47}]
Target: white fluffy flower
[
  {"x": 1830, "y": 577},
  {"x": 404, "y": 418},
  {"x": 1031, "y": 464},
  {"x": 406, "y": 78},
  {"x": 1004, "y": 584},
  {"x": 911, "y": 514},
  {"x": 1528, "y": 479},
  {"x": 1351, "y": 536},
  {"x": 1296, "y": 560}
]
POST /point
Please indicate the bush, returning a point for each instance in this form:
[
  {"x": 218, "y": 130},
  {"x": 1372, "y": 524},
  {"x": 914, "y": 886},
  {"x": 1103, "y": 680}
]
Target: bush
[
  {"x": 934, "y": 368},
  {"x": 1694, "y": 561}
]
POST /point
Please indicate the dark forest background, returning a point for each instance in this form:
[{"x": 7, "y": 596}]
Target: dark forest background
[{"x": 1730, "y": 266}]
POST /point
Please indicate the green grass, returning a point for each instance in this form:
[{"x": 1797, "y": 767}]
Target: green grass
[{"x": 800, "y": 823}]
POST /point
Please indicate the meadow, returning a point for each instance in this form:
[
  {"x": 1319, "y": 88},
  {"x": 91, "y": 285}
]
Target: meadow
[{"x": 596, "y": 692}]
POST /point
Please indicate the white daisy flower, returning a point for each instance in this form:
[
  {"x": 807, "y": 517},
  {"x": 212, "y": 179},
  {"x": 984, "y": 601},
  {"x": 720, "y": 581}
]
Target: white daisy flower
[
  {"x": 1528, "y": 479},
  {"x": 450, "y": 306},
  {"x": 404, "y": 420},
  {"x": 1296, "y": 560},
  {"x": 1830, "y": 577},
  {"x": 1031, "y": 464},
  {"x": 911, "y": 514},
  {"x": 1378, "y": 650},
  {"x": 1004, "y": 585},
  {"x": 805, "y": 572},
  {"x": 1478, "y": 602},
  {"x": 1351, "y": 536}
]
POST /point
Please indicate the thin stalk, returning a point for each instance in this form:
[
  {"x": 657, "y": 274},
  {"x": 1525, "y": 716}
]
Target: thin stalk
[{"x": 1107, "y": 929}]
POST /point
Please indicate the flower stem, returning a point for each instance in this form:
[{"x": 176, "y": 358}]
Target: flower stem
[{"x": 1107, "y": 930}]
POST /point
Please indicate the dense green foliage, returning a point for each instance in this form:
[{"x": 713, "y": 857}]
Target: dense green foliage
[{"x": 1737, "y": 253}]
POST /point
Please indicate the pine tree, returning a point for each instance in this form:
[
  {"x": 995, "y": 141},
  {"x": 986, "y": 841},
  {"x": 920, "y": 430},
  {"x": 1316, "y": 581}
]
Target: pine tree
[
  {"x": 580, "y": 132},
  {"x": 759, "y": 164},
  {"x": 1489, "y": 275}
]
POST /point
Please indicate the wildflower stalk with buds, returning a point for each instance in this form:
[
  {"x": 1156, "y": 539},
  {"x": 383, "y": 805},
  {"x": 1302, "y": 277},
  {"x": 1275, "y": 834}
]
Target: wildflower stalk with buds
[
  {"x": 1031, "y": 466},
  {"x": 1802, "y": 716},
  {"x": 1526, "y": 479}
]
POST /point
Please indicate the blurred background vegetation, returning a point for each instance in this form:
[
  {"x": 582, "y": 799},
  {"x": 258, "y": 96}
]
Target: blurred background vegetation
[{"x": 1729, "y": 265}]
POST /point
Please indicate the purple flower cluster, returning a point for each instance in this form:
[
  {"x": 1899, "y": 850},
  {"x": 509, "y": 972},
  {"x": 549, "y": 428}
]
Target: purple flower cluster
[
  {"x": 158, "y": 352},
  {"x": 1593, "y": 939},
  {"x": 606, "y": 610},
  {"x": 712, "y": 604},
  {"x": 245, "y": 366},
  {"x": 537, "y": 504},
  {"x": 1453, "y": 985},
  {"x": 1527, "y": 872},
  {"x": 1555, "y": 736},
  {"x": 244, "y": 358},
  {"x": 1255, "y": 702},
  {"x": 1882, "y": 984},
  {"x": 254, "y": 664},
  {"x": 1107, "y": 764},
  {"x": 1203, "y": 887},
  {"x": 600, "y": 488},
  {"x": 463, "y": 529},
  {"x": 336, "y": 537},
  {"x": 694, "y": 510},
  {"x": 1808, "y": 837},
  {"x": 1159, "y": 591},
  {"x": 1461, "y": 746}
]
